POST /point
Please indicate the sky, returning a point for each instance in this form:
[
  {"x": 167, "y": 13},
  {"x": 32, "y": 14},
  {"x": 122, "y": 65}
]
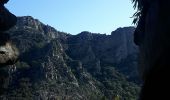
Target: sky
[{"x": 75, "y": 16}]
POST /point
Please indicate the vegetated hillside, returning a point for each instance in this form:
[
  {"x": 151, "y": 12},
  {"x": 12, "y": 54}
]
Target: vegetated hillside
[{"x": 55, "y": 65}]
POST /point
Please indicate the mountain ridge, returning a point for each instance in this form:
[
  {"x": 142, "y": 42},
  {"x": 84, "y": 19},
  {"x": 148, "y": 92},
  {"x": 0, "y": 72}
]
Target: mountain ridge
[{"x": 58, "y": 65}]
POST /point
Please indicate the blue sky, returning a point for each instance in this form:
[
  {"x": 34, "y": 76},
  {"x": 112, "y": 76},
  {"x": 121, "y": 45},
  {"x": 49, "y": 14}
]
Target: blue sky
[{"x": 74, "y": 16}]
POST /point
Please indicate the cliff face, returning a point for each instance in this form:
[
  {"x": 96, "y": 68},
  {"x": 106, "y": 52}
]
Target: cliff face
[
  {"x": 116, "y": 50},
  {"x": 57, "y": 65}
]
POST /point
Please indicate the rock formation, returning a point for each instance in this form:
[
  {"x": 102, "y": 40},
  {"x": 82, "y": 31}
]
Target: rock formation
[
  {"x": 152, "y": 34},
  {"x": 8, "y": 52},
  {"x": 57, "y": 65}
]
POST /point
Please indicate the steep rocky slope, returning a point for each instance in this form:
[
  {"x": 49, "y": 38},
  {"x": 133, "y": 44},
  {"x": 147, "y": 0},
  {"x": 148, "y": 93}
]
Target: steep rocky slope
[{"x": 55, "y": 65}]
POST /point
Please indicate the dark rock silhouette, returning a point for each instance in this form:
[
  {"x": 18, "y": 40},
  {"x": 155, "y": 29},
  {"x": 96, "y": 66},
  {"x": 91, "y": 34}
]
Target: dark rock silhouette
[
  {"x": 154, "y": 24},
  {"x": 8, "y": 52},
  {"x": 2, "y": 2},
  {"x": 7, "y": 19}
]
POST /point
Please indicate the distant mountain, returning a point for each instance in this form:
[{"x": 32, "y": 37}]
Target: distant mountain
[{"x": 55, "y": 65}]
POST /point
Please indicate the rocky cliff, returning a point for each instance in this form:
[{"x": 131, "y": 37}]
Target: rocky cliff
[{"x": 55, "y": 65}]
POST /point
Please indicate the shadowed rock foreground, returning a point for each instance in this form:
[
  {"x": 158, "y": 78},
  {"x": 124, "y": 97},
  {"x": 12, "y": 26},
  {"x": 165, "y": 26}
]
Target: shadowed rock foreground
[
  {"x": 8, "y": 52},
  {"x": 152, "y": 36}
]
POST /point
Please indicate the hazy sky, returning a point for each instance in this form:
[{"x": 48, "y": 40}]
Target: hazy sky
[{"x": 74, "y": 16}]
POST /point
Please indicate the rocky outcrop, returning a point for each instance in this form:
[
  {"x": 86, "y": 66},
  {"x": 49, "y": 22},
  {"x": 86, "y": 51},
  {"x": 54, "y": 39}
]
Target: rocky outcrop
[
  {"x": 114, "y": 49},
  {"x": 57, "y": 65},
  {"x": 8, "y": 52}
]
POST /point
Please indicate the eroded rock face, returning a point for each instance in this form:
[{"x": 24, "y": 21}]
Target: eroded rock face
[{"x": 8, "y": 54}]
